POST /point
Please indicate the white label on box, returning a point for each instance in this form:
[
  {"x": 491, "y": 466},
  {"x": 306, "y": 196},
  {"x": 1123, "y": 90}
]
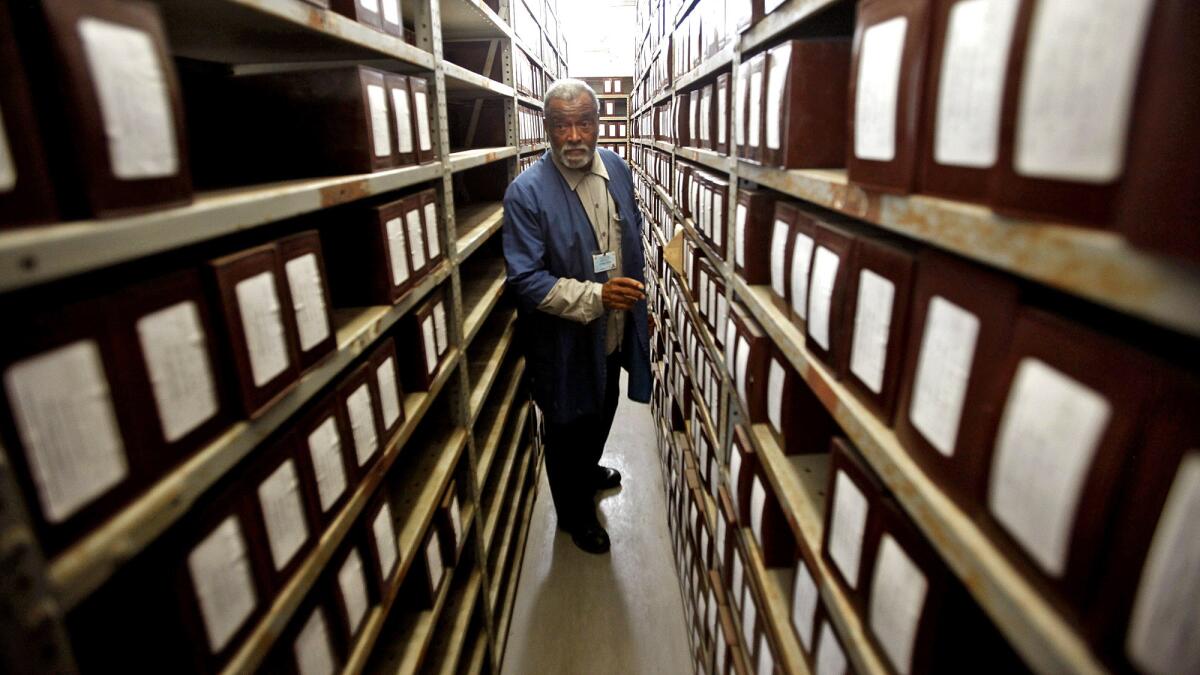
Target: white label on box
[
  {"x": 431, "y": 230},
  {"x": 325, "y": 448},
  {"x": 721, "y": 654},
  {"x": 718, "y": 218},
  {"x": 422, "y": 105},
  {"x": 779, "y": 238},
  {"x": 779, "y": 63},
  {"x": 1163, "y": 629},
  {"x": 801, "y": 261},
  {"x": 804, "y": 604},
  {"x": 740, "y": 103},
  {"x": 416, "y": 238},
  {"x": 608, "y": 87},
  {"x": 397, "y": 251},
  {"x": 872, "y": 322},
  {"x": 181, "y": 376},
  {"x": 220, "y": 570},
  {"x": 456, "y": 519},
  {"x": 433, "y": 556},
  {"x": 135, "y": 100},
  {"x": 749, "y": 616},
  {"x": 711, "y": 606},
  {"x": 720, "y": 540},
  {"x": 820, "y": 301},
  {"x": 898, "y": 593},
  {"x": 877, "y": 93},
  {"x": 353, "y": 585},
  {"x": 404, "y": 138},
  {"x": 262, "y": 324},
  {"x": 971, "y": 87},
  {"x": 63, "y": 410},
  {"x": 758, "y": 502},
  {"x": 430, "y": 343},
  {"x": 849, "y": 522},
  {"x": 1077, "y": 91},
  {"x": 370, "y": 5},
  {"x": 943, "y": 372},
  {"x": 385, "y": 540},
  {"x": 775, "y": 379},
  {"x": 391, "y": 12},
  {"x": 735, "y": 472},
  {"x": 756, "y": 84},
  {"x": 308, "y": 300},
  {"x": 441, "y": 339},
  {"x": 1049, "y": 433},
  {"x": 389, "y": 393},
  {"x": 740, "y": 235},
  {"x": 283, "y": 513},
  {"x": 8, "y": 168},
  {"x": 609, "y": 108},
  {"x": 621, "y": 134},
  {"x": 380, "y": 134},
  {"x": 705, "y": 113},
  {"x": 313, "y": 649},
  {"x": 766, "y": 660},
  {"x": 362, "y": 424},
  {"x": 722, "y": 114},
  {"x": 730, "y": 346},
  {"x": 831, "y": 660},
  {"x": 743, "y": 359}
]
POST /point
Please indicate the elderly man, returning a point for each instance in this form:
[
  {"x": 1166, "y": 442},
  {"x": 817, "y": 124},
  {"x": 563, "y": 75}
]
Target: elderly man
[{"x": 572, "y": 241}]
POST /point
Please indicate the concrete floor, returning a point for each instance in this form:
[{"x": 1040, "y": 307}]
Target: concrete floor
[{"x": 620, "y": 613}]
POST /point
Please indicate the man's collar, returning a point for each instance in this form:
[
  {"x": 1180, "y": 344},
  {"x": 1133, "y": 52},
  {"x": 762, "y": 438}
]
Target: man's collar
[{"x": 575, "y": 176}]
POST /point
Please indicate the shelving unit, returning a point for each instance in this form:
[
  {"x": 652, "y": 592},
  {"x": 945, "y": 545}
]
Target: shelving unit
[
  {"x": 1095, "y": 266},
  {"x": 464, "y": 630}
]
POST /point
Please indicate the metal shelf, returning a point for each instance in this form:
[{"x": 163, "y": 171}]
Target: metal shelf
[
  {"x": 510, "y": 595},
  {"x": 488, "y": 446},
  {"x": 776, "y": 608},
  {"x": 708, "y": 158},
  {"x": 475, "y": 157},
  {"x": 479, "y": 297},
  {"x": 779, "y": 21},
  {"x": 446, "y": 648},
  {"x": 460, "y": 80},
  {"x": 512, "y": 479},
  {"x": 476, "y": 224},
  {"x": 492, "y": 360},
  {"x": 465, "y": 19},
  {"x": 36, "y": 255},
  {"x": 529, "y": 101},
  {"x": 710, "y": 66},
  {"x": 537, "y": 147}
]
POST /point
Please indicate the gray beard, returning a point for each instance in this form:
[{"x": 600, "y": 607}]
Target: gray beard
[{"x": 575, "y": 163}]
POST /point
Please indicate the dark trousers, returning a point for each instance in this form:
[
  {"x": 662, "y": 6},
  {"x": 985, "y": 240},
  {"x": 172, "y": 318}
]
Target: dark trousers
[{"x": 573, "y": 452}]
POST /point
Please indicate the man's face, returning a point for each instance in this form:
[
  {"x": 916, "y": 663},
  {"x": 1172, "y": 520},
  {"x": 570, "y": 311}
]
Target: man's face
[{"x": 573, "y": 126}]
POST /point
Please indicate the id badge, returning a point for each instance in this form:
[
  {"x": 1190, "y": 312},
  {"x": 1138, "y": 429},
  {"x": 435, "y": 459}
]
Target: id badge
[{"x": 604, "y": 262}]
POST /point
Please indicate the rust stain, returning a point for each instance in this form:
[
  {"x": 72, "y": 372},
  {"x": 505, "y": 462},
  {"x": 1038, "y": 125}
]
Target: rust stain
[
  {"x": 340, "y": 194},
  {"x": 316, "y": 19},
  {"x": 821, "y": 388}
]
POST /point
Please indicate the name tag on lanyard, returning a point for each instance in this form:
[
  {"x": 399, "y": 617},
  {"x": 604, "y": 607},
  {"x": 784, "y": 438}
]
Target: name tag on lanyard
[{"x": 604, "y": 262}]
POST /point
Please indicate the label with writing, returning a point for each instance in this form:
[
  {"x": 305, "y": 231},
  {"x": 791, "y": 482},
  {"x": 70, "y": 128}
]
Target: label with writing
[
  {"x": 456, "y": 519},
  {"x": 313, "y": 649},
  {"x": 430, "y": 344},
  {"x": 740, "y": 235},
  {"x": 63, "y": 410},
  {"x": 353, "y": 585},
  {"x": 362, "y": 424},
  {"x": 743, "y": 359},
  {"x": 705, "y": 113},
  {"x": 758, "y": 502},
  {"x": 433, "y": 556},
  {"x": 177, "y": 361},
  {"x": 1077, "y": 90},
  {"x": 718, "y": 218},
  {"x": 397, "y": 251},
  {"x": 776, "y": 376},
  {"x": 720, "y": 541},
  {"x": 416, "y": 239},
  {"x": 820, "y": 300},
  {"x": 391, "y": 12},
  {"x": 283, "y": 513},
  {"x": 756, "y": 84},
  {"x": 385, "y": 540},
  {"x": 801, "y": 261},
  {"x": 370, "y": 5},
  {"x": 831, "y": 660},
  {"x": 404, "y": 132},
  {"x": 804, "y": 604},
  {"x": 1163, "y": 625},
  {"x": 779, "y": 241},
  {"x": 221, "y": 578},
  {"x": 325, "y": 448},
  {"x": 849, "y": 523},
  {"x": 739, "y": 576},
  {"x": 749, "y": 617},
  {"x": 440, "y": 337},
  {"x": 898, "y": 591},
  {"x": 766, "y": 660},
  {"x": 742, "y": 82},
  {"x": 943, "y": 372},
  {"x": 389, "y": 393},
  {"x": 872, "y": 321},
  {"x": 308, "y": 300},
  {"x": 779, "y": 64},
  {"x": 722, "y": 114},
  {"x": 877, "y": 93},
  {"x": 971, "y": 85},
  {"x": 135, "y": 101},
  {"x": 1049, "y": 433},
  {"x": 431, "y": 230},
  {"x": 381, "y": 136},
  {"x": 262, "y": 324},
  {"x": 421, "y": 102}
]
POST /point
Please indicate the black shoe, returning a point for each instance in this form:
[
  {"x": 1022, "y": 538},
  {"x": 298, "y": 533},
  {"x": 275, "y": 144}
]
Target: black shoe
[
  {"x": 606, "y": 478},
  {"x": 591, "y": 537}
]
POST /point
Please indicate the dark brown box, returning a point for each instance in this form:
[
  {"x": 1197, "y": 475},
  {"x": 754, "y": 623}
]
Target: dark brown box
[
  {"x": 961, "y": 116},
  {"x": 724, "y": 114},
  {"x": 696, "y": 127},
  {"x": 308, "y": 294},
  {"x": 797, "y": 418},
  {"x": 351, "y": 587},
  {"x": 423, "y": 111},
  {"x": 752, "y": 108},
  {"x": 779, "y": 254},
  {"x": 417, "y": 340},
  {"x": 449, "y": 525},
  {"x": 720, "y": 210},
  {"x": 326, "y": 459},
  {"x": 404, "y": 126},
  {"x": 428, "y": 200},
  {"x": 805, "y": 108},
  {"x": 749, "y": 371},
  {"x": 372, "y": 252},
  {"x": 852, "y": 506},
  {"x": 99, "y": 70},
  {"x": 888, "y": 163},
  {"x": 682, "y": 119},
  {"x": 426, "y": 575},
  {"x": 727, "y": 528},
  {"x": 707, "y": 118},
  {"x": 878, "y": 293},
  {"x": 769, "y": 524},
  {"x": 1072, "y": 405},
  {"x": 26, "y": 190},
  {"x": 752, "y": 234},
  {"x": 836, "y": 242},
  {"x": 279, "y": 512},
  {"x": 804, "y": 600},
  {"x": 311, "y": 642},
  {"x": 249, "y": 286},
  {"x": 804, "y": 238},
  {"x": 359, "y": 399},
  {"x": 971, "y": 311},
  {"x": 743, "y": 465},
  {"x": 386, "y": 373}
]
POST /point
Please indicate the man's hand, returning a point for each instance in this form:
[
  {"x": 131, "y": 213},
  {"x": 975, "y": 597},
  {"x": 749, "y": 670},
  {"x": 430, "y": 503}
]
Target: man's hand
[{"x": 621, "y": 294}]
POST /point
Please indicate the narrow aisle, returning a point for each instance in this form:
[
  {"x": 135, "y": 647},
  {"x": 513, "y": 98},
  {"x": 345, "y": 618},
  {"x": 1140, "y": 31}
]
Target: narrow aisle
[{"x": 617, "y": 613}]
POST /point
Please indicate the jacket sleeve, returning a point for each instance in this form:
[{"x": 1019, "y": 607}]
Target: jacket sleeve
[{"x": 525, "y": 251}]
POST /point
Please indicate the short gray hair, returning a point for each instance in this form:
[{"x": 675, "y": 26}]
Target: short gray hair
[{"x": 569, "y": 89}]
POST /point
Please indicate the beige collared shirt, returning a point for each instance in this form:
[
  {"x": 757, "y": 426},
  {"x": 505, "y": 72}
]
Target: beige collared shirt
[{"x": 581, "y": 300}]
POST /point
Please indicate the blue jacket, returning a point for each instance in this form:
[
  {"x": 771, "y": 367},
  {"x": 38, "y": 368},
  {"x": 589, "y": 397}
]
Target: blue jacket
[{"x": 547, "y": 235}]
